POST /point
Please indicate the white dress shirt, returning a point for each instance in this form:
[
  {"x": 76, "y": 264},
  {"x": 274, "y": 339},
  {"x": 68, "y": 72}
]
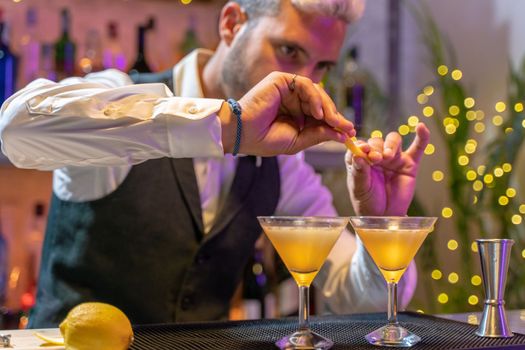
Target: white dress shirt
[{"x": 90, "y": 131}]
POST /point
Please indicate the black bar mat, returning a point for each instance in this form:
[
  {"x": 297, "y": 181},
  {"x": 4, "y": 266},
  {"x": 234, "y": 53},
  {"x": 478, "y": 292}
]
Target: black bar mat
[{"x": 347, "y": 332}]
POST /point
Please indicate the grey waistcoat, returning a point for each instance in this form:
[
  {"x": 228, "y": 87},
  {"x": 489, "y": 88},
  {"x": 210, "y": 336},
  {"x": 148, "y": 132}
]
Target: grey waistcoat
[{"x": 142, "y": 247}]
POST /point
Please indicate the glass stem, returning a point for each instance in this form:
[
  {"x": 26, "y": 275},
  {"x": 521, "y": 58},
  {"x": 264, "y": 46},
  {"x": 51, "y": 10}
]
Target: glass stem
[
  {"x": 304, "y": 307},
  {"x": 392, "y": 303}
]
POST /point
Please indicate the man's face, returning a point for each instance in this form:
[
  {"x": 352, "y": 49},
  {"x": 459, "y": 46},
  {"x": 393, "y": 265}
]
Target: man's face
[{"x": 292, "y": 41}]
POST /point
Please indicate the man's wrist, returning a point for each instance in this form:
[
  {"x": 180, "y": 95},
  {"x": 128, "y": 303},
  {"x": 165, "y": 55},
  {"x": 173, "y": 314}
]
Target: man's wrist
[{"x": 228, "y": 127}]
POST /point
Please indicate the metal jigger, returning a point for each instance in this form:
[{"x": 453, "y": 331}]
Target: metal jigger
[{"x": 494, "y": 255}]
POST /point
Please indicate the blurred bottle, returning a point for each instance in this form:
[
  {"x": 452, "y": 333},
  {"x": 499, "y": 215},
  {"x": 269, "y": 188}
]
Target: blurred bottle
[
  {"x": 65, "y": 48},
  {"x": 30, "y": 47},
  {"x": 141, "y": 65},
  {"x": 191, "y": 41},
  {"x": 47, "y": 67},
  {"x": 8, "y": 62},
  {"x": 113, "y": 55},
  {"x": 91, "y": 60},
  {"x": 354, "y": 80}
]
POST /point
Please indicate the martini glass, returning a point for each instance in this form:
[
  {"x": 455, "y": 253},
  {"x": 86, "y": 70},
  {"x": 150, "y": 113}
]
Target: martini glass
[
  {"x": 392, "y": 242},
  {"x": 303, "y": 243}
]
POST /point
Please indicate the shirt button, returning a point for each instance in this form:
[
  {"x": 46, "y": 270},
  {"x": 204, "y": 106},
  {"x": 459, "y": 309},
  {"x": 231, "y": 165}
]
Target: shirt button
[{"x": 193, "y": 109}]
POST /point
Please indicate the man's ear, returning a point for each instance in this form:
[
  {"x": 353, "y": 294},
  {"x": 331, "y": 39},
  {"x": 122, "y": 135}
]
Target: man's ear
[{"x": 231, "y": 21}]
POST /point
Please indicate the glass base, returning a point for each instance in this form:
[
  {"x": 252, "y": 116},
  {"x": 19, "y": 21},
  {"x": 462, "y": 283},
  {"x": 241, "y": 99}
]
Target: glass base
[
  {"x": 393, "y": 335},
  {"x": 304, "y": 339}
]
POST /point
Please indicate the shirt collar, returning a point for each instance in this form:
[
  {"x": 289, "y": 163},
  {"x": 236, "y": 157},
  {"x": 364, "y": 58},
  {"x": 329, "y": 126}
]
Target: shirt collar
[{"x": 186, "y": 74}]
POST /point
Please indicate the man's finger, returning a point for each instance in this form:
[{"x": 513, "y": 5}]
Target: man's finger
[
  {"x": 392, "y": 145},
  {"x": 417, "y": 148}
]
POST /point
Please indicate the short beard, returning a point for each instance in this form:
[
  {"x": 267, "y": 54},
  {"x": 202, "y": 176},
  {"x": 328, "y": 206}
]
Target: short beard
[{"x": 234, "y": 74}]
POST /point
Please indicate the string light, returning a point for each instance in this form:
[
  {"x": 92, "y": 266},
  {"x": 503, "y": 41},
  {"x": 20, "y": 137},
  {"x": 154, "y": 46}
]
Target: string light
[
  {"x": 516, "y": 219},
  {"x": 474, "y": 247},
  {"x": 453, "y": 110},
  {"x": 488, "y": 179},
  {"x": 473, "y": 300},
  {"x": 450, "y": 129},
  {"x": 436, "y": 274},
  {"x": 522, "y": 209},
  {"x": 471, "y": 115},
  {"x": 481, "y": 170},
  {"x": 413, "y": 121},
  {"x": 507, "y": 167},
  {"x": 403, "y": 130},
  {"x": 428, "y": 90},
  {"x": 503, "y": 200},
  {"x": 471, "y": 175},
  {"x": 480, "y": 115},
  {"x": 475, "y": 280},
  {"x": 479, "y": 127},
  {"x": 422, "y": 99},
  {"x": 518, "y": 107},
  {"x": 452, "y": 244},
  {"x": 456, "y": 74},
  {"x": 453, "y": 278},
  {"x": 500, "y": 107},
  {"x": 463, "y": 160},
  {"x": 442, "y": 298},
  {"x": 376, "y": 133},
  {"x": 469, "y": 102},
  {"x": 447, "y": 212},
  {"x": 437, "y": 176},
  {"x": 442, "y": 70},
  {"x": 497, "y": 120},
  {"x": 477, "y": 185},
  {"x": 428, "y": 111},
  {"x": 510, "y": 192},
  {"x": 430, "y": 149},
  {"x": 498, "y": 172}
]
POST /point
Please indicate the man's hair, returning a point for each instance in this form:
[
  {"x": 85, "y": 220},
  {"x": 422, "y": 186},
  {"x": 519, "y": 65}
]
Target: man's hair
[{"x": 347, "y": 10}]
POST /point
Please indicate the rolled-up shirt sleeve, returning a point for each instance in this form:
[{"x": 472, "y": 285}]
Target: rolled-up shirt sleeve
[
  {"x": 349, "y": 281},
  {"x": 104, "y": 120}
]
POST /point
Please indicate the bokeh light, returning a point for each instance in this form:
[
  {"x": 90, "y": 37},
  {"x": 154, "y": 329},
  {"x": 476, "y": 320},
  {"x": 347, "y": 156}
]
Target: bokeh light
[
  {"x": 436, "y": 274},
  {"x": 453, "y": 277},
  {"x": 456, "y": 74},
  {"x": 442, "y": 70},
  {"x": 500, "y": 107},
  {"x": 473, "y": 300},
  {"x": 442, "y": 298},
  {"x": 475, "y": 280},
  {"x": 430, "y": 149},
  {"x": 428, "y": 111},
  {"x": 447, "y": 212},
  {"x": 438, "y": 176},
  {"x": 516, "y": 219},
  {"x": 452, "y": 244},
  {"x": 469, "y": 102}
]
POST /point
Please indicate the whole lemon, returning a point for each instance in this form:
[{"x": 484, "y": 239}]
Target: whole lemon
[{"x": 100, "y": 326}]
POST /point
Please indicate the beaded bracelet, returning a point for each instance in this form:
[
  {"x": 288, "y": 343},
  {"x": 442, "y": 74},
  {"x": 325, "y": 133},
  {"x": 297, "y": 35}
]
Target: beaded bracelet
[{"x": 237, "y": 110}]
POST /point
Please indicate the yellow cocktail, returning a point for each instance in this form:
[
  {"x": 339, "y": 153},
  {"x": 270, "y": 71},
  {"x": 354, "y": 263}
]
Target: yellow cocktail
[
  {"x": 303, "y": 249},
  {"x": 392, "y": 242},
  {"x": 392, "y": 250},
  {"x": 303, "y": 243}
]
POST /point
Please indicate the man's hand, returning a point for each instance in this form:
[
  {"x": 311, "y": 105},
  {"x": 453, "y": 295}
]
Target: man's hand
[
  {"x": 387, "y": 186},
  {"x": 277, "y": 119}
]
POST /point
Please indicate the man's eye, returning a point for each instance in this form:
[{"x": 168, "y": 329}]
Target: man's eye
[{"x": 289, "y": 51}]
